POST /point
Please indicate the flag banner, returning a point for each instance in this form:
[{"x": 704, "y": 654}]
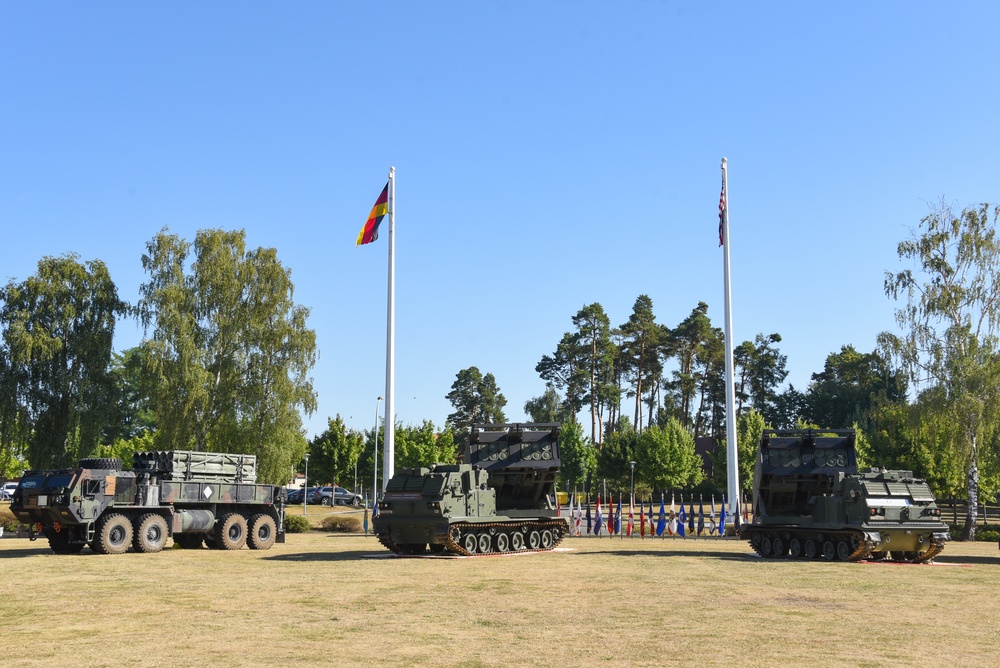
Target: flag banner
[
  {"x": 712, "y": 526},
  {"x": 691, "y": 516},
  {"x": 722, "y": 210},
  {"x": 369, "y": 232},
  {"x": 611, "y": 516},
  {"x": 577, "y": 519},
  {"x": 590, "y": 524},
  {"x": 680, "y": 520},
  {"x": 374, "y": 508},
  {"x": 661, "y": 524},
  {"x": 642, "y": 521},
  {"x": 618, "y": 517},
  {"x": 598, "y": 519},
  {"x": 652, "y": 522},
  {"x": 736, "y": 519},
  {"x": 569, "y": 514},
  {"x": 722, "y": 517},
  {"x": 366, "y": 516},
  {"x": 631, "y": 516},
  {"x": 701, "y": 515}
]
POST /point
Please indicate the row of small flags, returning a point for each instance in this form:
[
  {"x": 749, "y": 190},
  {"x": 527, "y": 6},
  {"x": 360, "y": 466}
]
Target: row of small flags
[{"x": 672, "y": 523}]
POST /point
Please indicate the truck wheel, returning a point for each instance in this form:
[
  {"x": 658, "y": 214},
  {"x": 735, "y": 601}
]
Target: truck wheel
[
  {"x": 150, "y": 533},
  {"x": 262, "y": 532},
  {"x": 325, "y": 501},
  {"x": 230, "y": 532},
  {"x": 112, "y": 463},
  {"x": 113, "y": 534},
  {"x": 189, "y": 541}
]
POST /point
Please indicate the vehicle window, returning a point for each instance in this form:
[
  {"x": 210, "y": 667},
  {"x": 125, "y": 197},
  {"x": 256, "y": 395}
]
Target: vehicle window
[
  {"x": 32, "y": 482},
  {"x": 92, "y": 487},
  {"x": 58, "y": 480}
]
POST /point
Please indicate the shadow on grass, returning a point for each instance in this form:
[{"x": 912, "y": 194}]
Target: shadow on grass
[
  {"x": 720, "y": 556},
  {"x": 304, "y": 557},
  {"x": 21, "y": 552},
  {"x": 964, "y": 559}
]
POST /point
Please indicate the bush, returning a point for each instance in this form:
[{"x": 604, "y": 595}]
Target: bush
[
  {"x": 984, "y": 532},
  {"x": 341, "y": 524},
  {"x": 296, "y": 524},
  {"x": 9, "y": 523}
]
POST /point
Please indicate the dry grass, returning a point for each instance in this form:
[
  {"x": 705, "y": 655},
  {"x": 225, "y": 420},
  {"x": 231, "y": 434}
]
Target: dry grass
[{"x": 341, "y": 600}]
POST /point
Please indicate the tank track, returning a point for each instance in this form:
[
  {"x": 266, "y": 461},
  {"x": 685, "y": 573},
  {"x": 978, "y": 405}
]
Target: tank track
[
  {"x": 860, "y": 546},
  {"x": 545, "y": 535}
]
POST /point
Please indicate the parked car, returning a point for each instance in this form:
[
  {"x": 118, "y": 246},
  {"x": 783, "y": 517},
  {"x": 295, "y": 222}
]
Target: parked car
[
  {"x": 7, "y": 491},
  {"x": 338, "y": 495},
  {"x": 295, "y": 495}
]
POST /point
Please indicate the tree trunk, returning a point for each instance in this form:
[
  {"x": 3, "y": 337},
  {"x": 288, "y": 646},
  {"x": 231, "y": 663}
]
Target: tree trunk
[{"x": 972, "y": 507}]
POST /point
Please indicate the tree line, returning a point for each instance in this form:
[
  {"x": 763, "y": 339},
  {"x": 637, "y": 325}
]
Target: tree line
[{"x": 225, "y": 361}]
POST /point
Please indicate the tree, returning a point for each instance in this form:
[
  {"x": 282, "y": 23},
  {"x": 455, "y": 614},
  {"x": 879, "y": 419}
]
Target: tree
[
  {"x": 578, "y": 457},
  {"x": 640, "y": 352},
  {"x": 476, "y": 399},
  {"x": 334, "y": 454},
  {"x": 55, "y": 386},
  {"x": 229, "y": 355},
  {"x": 545, "y": 408},
  {"x": 762, "y": 371},
  {"x": 131, "y": 413},
  {"x": 950, "y": 324},
  {"x": 666, "y": 457},
  {"x": 618, "y": 450},
  {"x": 843, "y": 392}
]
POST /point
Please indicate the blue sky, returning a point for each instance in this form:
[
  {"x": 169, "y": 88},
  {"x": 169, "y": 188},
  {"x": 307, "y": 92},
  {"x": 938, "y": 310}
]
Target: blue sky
[{"x": 548, "y": 155}]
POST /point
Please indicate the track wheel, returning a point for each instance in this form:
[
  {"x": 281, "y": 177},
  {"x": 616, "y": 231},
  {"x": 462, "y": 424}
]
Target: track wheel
[
  {"x": 150, "y": 533},
  {"x": 470, "y": 542},
  {"x": 829, "y": 550},
  {"x": 810, "y": 548},
  {"x": 795, "y": 548},
  {"x": 534, "y": 539},
  {"x": 503, "y": 544},
  {"x": 778, "y": 547},
  {"x": 261, "y": 532},
  {"x": 517, "y": 541},
  {"x": 766, "y": 549},
  {"x": 230, "y": 532},
  {"x": 485, "y": 543},
  {"x": 843, "y": 550},
  {"x": 112, "y": 535},
  {"x": 547, "y": 539}
]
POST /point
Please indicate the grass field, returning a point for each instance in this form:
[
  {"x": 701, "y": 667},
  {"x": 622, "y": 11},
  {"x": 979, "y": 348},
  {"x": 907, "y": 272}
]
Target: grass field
[{"x": 322, "y": 599}]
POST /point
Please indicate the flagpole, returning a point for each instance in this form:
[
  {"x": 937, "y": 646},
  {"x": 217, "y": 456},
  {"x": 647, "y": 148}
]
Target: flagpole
[
  {"x": 390, "y": 344},
  {"x": 732, "y": 465}
]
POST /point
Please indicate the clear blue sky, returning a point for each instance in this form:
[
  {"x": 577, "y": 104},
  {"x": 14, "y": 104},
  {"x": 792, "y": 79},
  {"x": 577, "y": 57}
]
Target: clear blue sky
[{"x": 548, "y": 155}]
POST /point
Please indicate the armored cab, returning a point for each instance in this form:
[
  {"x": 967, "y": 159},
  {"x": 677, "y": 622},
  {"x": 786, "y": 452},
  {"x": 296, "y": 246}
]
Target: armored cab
[
  {"x": 496, "y": 501},
  {"x": 810, "y": 500},
  {"x": 192, "y": 497}
]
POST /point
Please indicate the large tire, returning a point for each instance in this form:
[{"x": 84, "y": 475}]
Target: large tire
[
  {"x": 112, "y": 535},
  {"x": 189, "y": 541},
  {"x": 112, "y": 463},
  {"x": 150, "y": 533},
  {"x": 261, "y": 532},
  {"x": 230, "y": 532}
]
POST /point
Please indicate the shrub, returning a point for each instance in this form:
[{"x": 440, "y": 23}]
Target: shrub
[
  {"x": 984, "y": 532},
  {"x": 296, "y": 524},
  {"x": 341, "y": 524},
  {"x": 9, "y": 523}
]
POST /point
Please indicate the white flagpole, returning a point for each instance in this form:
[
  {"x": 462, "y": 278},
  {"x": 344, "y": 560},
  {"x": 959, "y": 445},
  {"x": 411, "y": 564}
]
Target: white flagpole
[
  {"x": 732, "y": 467},
  {"x": 390, "y": 343}
]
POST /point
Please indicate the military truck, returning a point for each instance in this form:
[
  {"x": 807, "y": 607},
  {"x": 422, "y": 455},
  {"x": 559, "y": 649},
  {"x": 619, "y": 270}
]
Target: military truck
[
  {"x": 194, "y": 498},
  {"x": 810, "y": 500},
  {"x": 498, "y": 500}
]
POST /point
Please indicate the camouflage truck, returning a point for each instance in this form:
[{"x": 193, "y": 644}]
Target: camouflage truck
[
  {"x": 194, "y": 498},
  {"x": 497, "y": 501},
  {"x": 810, "y": 501}
]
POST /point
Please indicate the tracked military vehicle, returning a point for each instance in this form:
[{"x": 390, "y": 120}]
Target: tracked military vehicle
[
  {"x": 192, "y": 497},
  {"x": 497, "y": 501},
  {"x": 811, "y": 501}
]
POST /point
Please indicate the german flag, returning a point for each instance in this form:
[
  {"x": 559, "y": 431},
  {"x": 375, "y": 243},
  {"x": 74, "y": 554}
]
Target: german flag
[{"x": 369, "y": 232}]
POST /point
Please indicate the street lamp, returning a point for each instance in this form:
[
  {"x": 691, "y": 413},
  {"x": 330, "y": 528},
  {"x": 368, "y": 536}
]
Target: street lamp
[
  {"x": 375, "y": 458},
  {"x": 632, "y": 464},
  {"x": 305, "y": 486}
]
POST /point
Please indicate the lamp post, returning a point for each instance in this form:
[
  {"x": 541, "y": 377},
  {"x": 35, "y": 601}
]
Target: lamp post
[
  {"x": 378, "y": 402},
  {"x": 632, "y": 464},
  {"x": 305, "y": 486}
]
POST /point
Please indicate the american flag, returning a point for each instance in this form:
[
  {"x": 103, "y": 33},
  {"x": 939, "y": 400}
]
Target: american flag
[{"x": 722, "y": 208}]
